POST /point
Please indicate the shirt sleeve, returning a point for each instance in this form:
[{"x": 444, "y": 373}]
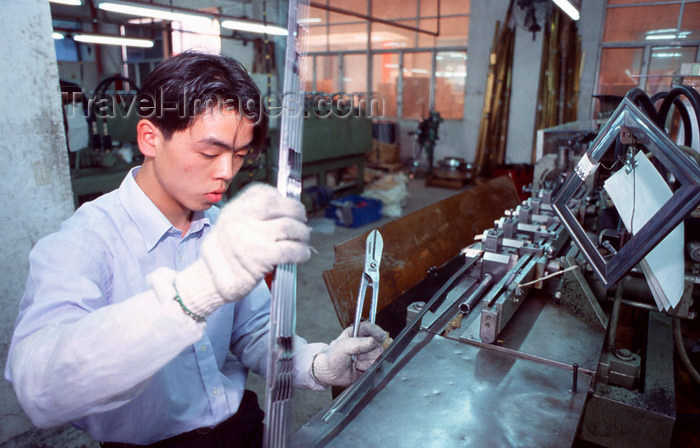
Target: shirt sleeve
[
  {"x": 73, "y": 353},
  {"x": 250, "y": 340}
]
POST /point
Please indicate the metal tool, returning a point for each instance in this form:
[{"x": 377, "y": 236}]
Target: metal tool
[{"x": 370, "y": 278}]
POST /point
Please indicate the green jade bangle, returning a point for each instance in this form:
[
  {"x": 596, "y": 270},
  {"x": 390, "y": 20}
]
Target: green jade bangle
[{"x": 195, "y": 316}]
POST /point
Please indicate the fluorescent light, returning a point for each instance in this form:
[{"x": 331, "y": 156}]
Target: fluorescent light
[
  {"x": 660, "y": 36},
  {"x": 112, "y": 40},
  {"x": 310, "y": 20},
  {"x": 253, "y": 27},
  {"x": 68, "y": 2},
  {"x": 669, "y": 34},
  {"x": 154, "y": 12},
  {"x": 57, "y": 36},
  {"x": 569, "y": 8},
  {"x": 666, "y": 55}
]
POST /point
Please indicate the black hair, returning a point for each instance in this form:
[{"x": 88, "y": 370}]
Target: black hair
[{"x": 183, "y": 87}]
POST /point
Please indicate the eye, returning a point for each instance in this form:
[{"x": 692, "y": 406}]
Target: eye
[{"x": 207, "y": 156}]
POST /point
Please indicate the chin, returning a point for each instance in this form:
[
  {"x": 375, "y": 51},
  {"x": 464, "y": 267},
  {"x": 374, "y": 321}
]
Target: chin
[{"x": 202, "y": 206}]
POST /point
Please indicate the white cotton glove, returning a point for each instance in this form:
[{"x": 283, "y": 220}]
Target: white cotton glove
[
  {"x": 335, "y": 366},
  {"x": 256, "y": 231}
]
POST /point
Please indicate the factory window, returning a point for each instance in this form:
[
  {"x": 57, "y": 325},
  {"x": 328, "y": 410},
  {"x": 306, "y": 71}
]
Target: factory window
[
  {"x": 416, "y": 85},
  {"x": 619, "y": 70},
  {"x": 450, "y": 77},
  {"x": 327, "y": 73},
  {"x": 354, "y": 73},
  {"x": 649, "y": 51},
  {"x": 385, "y": 76},
  {"x": 417, "y": 50}
]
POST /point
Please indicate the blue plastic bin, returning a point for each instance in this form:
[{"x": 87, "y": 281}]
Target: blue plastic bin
[{"x": 354, "y": 211}]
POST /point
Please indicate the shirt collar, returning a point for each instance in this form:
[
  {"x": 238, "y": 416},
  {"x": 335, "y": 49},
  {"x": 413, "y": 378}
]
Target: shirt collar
[{"x": 150, "y": 221}]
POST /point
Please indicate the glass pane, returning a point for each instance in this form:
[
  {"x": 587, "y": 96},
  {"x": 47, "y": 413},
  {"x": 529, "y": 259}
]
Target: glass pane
[
  {"x": 641, "y": 23},
  {"x": 385, "y": 76},
  {"x": 327, "y": 74},
  {"x": 690, "y": 24},
  {"x": 450, "y": 7},
  {"x": 358, "y": 6},
  {"x": 338, "y": 18},
  {"x": 427, "y": 40},
  {"x": 354, "y": 73},
  {"x": 453, "y": 32},
  {"x": 348, "y": 37},
  {"x": 394, "y": 10},
  {"x": 428, "y": 8},
  {"x": 618, "y": 70},
  {"x": 316, "y": 25},
  {"x": 450, "y": 78},
  {"x": 666, "y": 61},
  {"x": 416, "y": 85},
  {"x": 387, "y": 37}
]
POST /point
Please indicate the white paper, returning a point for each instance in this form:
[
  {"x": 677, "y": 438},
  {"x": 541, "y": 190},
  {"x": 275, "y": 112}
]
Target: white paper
[
  {"x": 585, "y": 167},
  {"x": 638, "y": 195},
  {"x": 77, "y": 128}
]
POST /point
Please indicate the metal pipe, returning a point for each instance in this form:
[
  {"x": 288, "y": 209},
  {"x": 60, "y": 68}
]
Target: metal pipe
[
  {"x": 466, "y": 306},
  {"x": 612, "y": 332},
  {"x": 523, "y": 355}
]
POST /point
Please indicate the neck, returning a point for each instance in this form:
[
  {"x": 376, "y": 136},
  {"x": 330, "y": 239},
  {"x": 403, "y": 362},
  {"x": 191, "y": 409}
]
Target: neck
[{"x": 179, "y": 216}]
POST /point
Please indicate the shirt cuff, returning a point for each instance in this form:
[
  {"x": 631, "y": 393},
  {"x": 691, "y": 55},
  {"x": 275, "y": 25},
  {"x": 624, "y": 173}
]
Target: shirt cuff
[{"x": 162, "y": 281}]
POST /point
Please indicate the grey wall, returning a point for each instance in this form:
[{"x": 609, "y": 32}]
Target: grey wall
[
  {"x": 35, "y": 187},
  {"x": 590, "y": 29},
  {"x": 527, "y": 55},
  {"x": 482, "y": 24}
]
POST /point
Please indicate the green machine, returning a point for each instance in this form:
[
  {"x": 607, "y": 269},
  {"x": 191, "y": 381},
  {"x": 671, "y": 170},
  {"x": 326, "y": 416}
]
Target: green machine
[{"x": 333, "y": 152}]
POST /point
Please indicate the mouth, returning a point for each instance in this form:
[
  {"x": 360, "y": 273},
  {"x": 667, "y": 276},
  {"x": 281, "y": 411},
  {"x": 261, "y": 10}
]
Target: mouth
[{"x": 214, "y": 196}]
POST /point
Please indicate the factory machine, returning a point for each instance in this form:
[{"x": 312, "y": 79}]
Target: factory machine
[{"x": 556, "y": 326}]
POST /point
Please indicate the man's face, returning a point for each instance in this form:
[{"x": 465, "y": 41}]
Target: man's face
[{"x": 195, "y": 166}]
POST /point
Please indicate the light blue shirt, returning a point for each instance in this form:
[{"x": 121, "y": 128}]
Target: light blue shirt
[{"x": 96, "y": 346}]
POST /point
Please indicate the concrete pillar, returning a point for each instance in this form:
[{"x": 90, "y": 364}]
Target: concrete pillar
[
  {"x": 590, "y": 28},
  {"x": 34, "y": 182},
  {"x": 527, "y": 57}
]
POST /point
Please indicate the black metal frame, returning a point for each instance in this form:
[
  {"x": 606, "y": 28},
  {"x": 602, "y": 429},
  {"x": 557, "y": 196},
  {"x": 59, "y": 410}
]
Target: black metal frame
[{"x": 686, "y": 171}]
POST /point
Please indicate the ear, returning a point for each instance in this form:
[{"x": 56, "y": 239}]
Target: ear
[{"x": 148, "y": 137}]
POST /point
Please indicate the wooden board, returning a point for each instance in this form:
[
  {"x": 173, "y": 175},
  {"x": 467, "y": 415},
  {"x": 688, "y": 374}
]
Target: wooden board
[{"x": 415, "y": 243}]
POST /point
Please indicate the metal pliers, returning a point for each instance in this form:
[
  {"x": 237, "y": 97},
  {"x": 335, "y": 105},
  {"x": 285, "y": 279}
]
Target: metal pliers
[{"x": 370, "y": 278}]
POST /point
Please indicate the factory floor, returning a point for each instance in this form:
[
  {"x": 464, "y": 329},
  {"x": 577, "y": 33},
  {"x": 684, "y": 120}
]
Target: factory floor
[{"x": 316, "y": 318}]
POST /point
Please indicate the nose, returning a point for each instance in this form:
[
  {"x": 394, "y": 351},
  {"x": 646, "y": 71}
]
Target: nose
[{"x": 225, "y": 168}]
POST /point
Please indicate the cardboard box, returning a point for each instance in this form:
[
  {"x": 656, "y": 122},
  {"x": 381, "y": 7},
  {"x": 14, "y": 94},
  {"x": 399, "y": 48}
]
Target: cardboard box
[{"x": 383, "y": 152}]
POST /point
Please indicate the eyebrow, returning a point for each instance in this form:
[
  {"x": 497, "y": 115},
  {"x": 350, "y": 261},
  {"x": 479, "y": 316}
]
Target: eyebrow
[{"x": 213, "y": 141}]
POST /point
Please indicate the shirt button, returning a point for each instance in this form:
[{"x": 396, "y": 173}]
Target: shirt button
[
  {"x": 216, "y": 391},
  {"x": 204, "y": 348},
  {"x": 179, "y": 257}
]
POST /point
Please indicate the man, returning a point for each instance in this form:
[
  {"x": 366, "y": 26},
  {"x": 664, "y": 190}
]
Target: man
[{"x": 144, "y": 313}]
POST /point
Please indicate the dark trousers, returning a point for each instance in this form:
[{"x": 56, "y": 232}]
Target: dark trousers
[{"x": 242, "y": 430}]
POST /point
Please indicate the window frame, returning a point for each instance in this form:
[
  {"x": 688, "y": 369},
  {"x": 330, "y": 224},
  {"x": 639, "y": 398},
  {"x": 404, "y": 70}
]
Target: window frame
[
  {"x": 646, "y": 45},
  {"x": 369, "y": 52}
]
